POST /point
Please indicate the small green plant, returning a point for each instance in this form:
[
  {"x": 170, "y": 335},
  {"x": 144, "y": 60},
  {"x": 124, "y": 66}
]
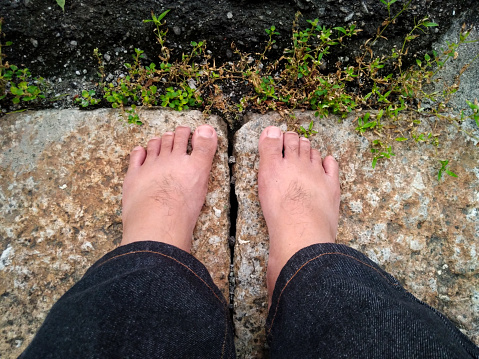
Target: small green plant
[
  {"x": 380, "y": 153},
  {"x": 444, "y": 169},
  {"x": 87, "y": 98},
  {"x": 17, "y": 84},
  {"x": 475, "y": 110},
  {"x": 364, "y": 124},
  {"x": 389, "y": 89},
  {"x": 307, "y": 132},
  {"x": 179, "y": 99}
]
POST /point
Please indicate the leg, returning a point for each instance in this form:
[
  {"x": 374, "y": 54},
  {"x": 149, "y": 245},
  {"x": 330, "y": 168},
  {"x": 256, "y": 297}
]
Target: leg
[
  {"x": 328, "y": 300},
  {"x": 149, "y": 298}
]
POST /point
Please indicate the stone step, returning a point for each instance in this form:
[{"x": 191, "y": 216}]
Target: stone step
[
  {"x": 422, "y": 231},
  {"x": 60, "y": 192}
]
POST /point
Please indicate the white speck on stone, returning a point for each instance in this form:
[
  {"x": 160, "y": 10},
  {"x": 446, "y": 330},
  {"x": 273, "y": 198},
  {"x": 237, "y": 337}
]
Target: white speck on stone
[
  {"x": 6, "y": 257},
  {"x": 416, "y": 245},
  {"x": 87, "y": 246},
  {"x": 445, "y": 266},
  {"x": 432, "y": 284},
  {"x": 418, "y": 183},
  {"x": 214, "y": 240},
  {"x": 229, "y": 15},
  {"x": 356, "y": 206},
  {"x": 240, "y": 241},
  {"x": 439, "y": 272},
  {"x": 473, "y": 215},
  {"x": 217, "y": 212},
  {"x": 373, "y": 199},
  {"x": 378, "y": 228},
  {"x": 62, "y": 186}
]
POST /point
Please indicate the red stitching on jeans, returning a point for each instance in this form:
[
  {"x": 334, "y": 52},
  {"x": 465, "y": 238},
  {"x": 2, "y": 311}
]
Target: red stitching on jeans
[
  {"x": 312, "y": 259},
  {"x": 192, "y": 271}
]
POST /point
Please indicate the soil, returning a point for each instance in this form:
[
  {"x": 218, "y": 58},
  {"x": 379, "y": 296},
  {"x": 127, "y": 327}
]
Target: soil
[{"x": 59, "y": 45}]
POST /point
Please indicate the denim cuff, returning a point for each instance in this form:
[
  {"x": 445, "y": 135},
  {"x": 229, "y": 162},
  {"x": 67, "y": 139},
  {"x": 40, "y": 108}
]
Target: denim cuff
[
  {"x": 318, "y": 256},
  {"x": 148, "y": 254}
]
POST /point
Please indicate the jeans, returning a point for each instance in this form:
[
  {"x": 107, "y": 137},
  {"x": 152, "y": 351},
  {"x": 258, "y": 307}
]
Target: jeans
[{"x": 153, "y": 300}]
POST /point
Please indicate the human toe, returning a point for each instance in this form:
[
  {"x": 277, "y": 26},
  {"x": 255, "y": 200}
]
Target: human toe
[
  {"x": 305, "y": 149},
  {"x": 291, "y": 145},
  {"x": 153, "y": 148},
  {"x": 137, "y": 157},
  {"x": 204, "y": 143},
  {"x": 331, "y": 167},
  {"x": 166, "y": 143},
  {"x": 180, "y": 142},
  {"x": 271, "y": 143}
]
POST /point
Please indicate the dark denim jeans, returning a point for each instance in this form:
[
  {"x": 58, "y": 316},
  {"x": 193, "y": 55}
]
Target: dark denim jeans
[{"x": 152, "y": 300}]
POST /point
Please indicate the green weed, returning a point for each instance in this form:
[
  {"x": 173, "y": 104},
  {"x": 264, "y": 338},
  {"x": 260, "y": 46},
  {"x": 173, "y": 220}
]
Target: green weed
[
  {"x": 307, "y": 132},
  {"x": 444, "y": 169},
  {"x": 388, "y": 89},
  {"x": 17, "y": 84}
]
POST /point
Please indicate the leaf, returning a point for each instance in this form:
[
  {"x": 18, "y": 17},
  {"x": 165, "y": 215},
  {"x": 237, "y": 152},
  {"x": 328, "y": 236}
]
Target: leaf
[
  {"x": 61, "y": 3},
  {"x": 163, "y": 14},
  {"x": 8, "y": 43},
  {"x": 430, "y": 24},
  {"x": 380, "y": 114},
  {"x": 450, "y": 173},
  {"x": 375, "y": 160},
  {"x": 400, "y": 139},
  {"x": 16, "y": 91}
]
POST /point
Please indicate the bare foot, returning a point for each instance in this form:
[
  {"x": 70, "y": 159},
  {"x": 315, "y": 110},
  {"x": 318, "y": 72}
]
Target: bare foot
[
  {"x": 165, "y": 188},
  {"x": 299, "y": 195}
]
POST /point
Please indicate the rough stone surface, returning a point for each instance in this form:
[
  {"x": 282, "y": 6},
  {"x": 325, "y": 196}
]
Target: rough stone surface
[
  {"x": 422, "y": 231},
  {"x": 60, "y": 206},
  {"x": 468, "y": 89}
]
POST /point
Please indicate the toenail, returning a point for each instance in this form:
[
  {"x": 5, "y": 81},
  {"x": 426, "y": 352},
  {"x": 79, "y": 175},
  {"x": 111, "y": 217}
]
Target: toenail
[
  {"x": 274, "y": 132},
  {"x": 137, "y": 148},
  {"x": 304, "y": 139},
  {"x": 205, "y": 131}
]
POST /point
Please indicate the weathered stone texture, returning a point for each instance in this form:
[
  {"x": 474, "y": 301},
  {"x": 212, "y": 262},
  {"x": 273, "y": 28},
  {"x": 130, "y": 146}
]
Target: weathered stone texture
[
  {"x": 60, "y": 206},
  {"x": 422, "y": 231}
]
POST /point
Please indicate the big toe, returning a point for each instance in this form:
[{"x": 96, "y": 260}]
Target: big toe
[
  {"x": 204, "y": 143},
  {"x": 271, "y": 144}
]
